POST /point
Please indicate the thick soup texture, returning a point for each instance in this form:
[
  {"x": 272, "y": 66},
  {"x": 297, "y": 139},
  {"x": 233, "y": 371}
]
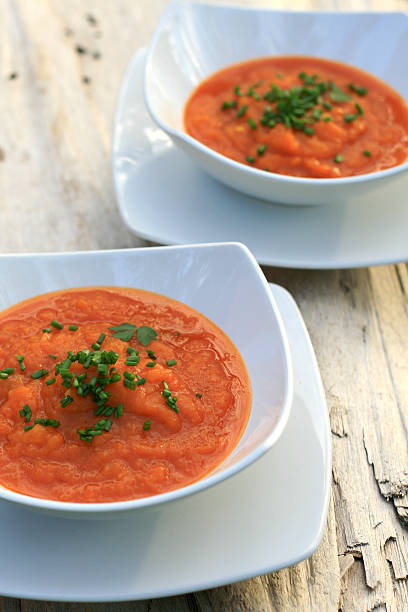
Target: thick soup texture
[
  {"x": 112, "y": 394},
  {"x": 300, "y": 116}
]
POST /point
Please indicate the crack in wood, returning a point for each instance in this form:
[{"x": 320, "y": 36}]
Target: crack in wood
[
  {"x": 400, "y": 281},
  {"x": 339, "y": 434},
  {"x": 391, "y": 373},
  {"x": 353, "y": 549},
  {"x": 377, "y": 605},
  {"x": 192, "y": 603},
  {"x": 397, "y": 562},
  {"x": 347, "y": 285},
  {"x": 401, "y": 506},
  {"x": 338, "y": 416},
  {"x": 391, "y": 490},
  {"x": 346, "y": 561}
]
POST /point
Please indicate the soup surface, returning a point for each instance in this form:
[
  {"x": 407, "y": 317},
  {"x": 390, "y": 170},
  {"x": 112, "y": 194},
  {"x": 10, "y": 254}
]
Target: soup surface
[
  {"x": 300, "y": 116},
  {"x": 111, "y": 394}
]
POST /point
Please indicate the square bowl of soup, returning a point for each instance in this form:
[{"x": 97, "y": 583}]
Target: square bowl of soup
[
  {"x": 291, "y": 107},
  {"x": 133, "y": 378}
]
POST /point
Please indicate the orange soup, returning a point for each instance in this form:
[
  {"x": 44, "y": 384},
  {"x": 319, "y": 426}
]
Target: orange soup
[
  {"x": 300, "y": 116},
  {"x": 111, "y": 394}
]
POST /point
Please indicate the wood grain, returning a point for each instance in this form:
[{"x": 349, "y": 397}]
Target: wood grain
[{"x": 61, "y": 67}]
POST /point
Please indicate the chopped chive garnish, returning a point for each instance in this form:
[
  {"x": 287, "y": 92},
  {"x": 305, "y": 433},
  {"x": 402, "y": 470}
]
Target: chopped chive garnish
[
  {"x": 367, "y": 153},
  {"x": 3, "y": 376},
  {"x": 359, "y": 109},
  {"x": 25, "y": 413},
  {"x": 39, "y": 373},
  {"x": 171, "y": 362},
  {"x": 131, "y": 351},
  {"x": 199, "y": 395},
  {"x": 103, "y": 368},
  {"x": 66, "y": 400},
  {"x": 47, "y": 422},
  {"x": 348, "y": 118},
  {"x": 130, "y": 384},
  {"x": 147, "y": 425},
  {"x": 56, "y": 324},
  {"x": 118, "y": 410},
  {"x": 7, "y": 370},
  {"x": 47, "y": 330},
  {"x": 242, "y": 110},
  {"x": 133, "y": 360},
  {"x": 106, "y": 374},
  {"x": 299, "y": 106},
  {"x": 250, "y": 159},
  {"x": 20, "y": 359},
  {"x": 228, "y": 104},
  {"x": 88, "y": 433},
  {"x": 360, "y": 91},
  {"x": 171, "y": 401},
  {"x": 317, "y": 113},
  {"x": 261, "y": 150},
  {"x": 338, "y": 159}
]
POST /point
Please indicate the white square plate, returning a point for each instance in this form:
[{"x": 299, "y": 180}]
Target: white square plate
[
  {"x": 249, "y": 525},
  {"x": 163, "y": 196}
]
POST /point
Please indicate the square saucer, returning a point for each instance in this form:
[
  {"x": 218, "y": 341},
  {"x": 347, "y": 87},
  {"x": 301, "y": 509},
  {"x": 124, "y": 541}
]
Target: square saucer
[
  {"x": 249, "y": 525},
  {"x": 163, "y": 196}
]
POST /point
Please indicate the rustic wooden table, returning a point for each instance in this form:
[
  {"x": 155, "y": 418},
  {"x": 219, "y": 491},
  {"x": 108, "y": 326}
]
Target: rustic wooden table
[{"x": 61, "y": 66}]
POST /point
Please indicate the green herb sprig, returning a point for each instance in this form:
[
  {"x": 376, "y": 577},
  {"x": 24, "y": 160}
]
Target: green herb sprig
[{"x": 126, "y": 331}]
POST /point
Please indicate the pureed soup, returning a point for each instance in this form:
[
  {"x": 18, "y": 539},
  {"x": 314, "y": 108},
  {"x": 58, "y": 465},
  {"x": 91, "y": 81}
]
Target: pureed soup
[
  {"x": 111, "y": 394},
  {"x": 300, "y": 116}
]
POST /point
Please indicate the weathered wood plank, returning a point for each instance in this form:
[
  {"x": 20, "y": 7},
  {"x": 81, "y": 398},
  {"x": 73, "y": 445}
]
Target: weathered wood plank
[{"x": 360, "y": 355}]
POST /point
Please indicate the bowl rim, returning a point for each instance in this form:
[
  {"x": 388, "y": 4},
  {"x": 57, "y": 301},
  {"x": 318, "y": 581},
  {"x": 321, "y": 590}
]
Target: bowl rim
[
  {"x": 212, "y": 479},
  {"x": 271, "y": 177}
]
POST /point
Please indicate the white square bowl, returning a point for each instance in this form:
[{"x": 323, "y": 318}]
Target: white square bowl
[
  {"x": 194, "y": 40},
  {"x": 222, "y": 281}
]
